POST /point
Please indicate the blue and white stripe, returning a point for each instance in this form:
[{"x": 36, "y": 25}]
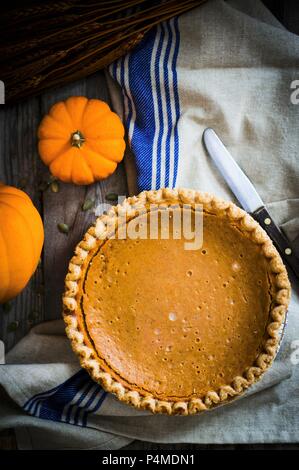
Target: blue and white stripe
[
  {"x": 148, "y": 78},
  {"x": 70, "y": 402}
]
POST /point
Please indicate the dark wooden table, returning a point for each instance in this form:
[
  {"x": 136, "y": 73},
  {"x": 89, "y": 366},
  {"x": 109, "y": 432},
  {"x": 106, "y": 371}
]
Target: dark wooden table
[{"x": 21, "y": 166}]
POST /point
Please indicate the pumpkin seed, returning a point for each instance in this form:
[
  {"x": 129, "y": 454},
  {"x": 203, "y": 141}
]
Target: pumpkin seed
[
  {"x": 7, "y": 307},
  {"x": 63, "y": 228},
  {"x": 44, "y": 185},
  {"x": 54, "y": 187},
  {"x": 87, "y": 205},
  {"x": 111, "y": 197},
  {"x": 13, "y": 326}
]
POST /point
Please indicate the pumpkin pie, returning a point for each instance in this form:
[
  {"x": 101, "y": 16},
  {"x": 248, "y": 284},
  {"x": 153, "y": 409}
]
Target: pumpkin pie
[{"x": 169, "y": 329}]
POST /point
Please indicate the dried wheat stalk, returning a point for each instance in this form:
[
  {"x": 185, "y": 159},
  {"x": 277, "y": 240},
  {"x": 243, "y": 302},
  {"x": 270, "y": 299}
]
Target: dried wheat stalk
[{"x": 54, "y": 43}]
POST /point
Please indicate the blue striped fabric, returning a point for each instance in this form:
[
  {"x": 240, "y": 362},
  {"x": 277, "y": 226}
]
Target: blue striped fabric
[
  {"x": 148, "y": 79},
  {"x": 70, "y": 402}
]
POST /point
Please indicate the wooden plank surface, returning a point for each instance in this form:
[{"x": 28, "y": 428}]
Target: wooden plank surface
[{"x": 21, "y": 167}]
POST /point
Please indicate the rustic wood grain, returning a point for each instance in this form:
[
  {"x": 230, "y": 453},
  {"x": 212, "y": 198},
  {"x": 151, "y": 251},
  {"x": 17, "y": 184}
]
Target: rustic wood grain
[
  {"x": 8, "y": 440},
  {"x": 21, "y": 167}
]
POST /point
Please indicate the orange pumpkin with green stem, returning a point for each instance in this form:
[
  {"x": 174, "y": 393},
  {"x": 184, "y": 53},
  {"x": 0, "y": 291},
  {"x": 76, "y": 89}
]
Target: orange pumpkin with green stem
[
  {"x": 21, "y": 241},
  {"x": 81, "y": 140}
]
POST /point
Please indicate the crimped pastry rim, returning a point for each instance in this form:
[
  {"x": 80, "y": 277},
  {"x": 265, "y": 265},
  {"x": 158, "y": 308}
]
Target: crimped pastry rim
[{"x": 212, "y": 398}]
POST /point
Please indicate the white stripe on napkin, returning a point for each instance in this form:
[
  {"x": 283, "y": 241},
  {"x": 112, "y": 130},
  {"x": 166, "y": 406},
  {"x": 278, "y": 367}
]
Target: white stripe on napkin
[{"x": 156, "y": 110}]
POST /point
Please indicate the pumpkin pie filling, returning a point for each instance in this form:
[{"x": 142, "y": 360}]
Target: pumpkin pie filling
[
  {"x": 169, "y": 329},
  {"x": 176, "y": 323}
]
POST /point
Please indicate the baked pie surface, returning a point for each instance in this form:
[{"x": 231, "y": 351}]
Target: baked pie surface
[{"x": 174, "y": 330}]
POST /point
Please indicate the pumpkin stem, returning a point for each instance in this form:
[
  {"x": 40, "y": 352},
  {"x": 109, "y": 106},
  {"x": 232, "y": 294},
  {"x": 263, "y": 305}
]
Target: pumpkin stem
[{"x": 77, "y": 139}]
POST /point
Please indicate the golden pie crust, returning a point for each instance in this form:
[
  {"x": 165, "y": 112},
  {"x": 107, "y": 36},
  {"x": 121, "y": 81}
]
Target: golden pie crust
[{"x": 175, "y": 331}]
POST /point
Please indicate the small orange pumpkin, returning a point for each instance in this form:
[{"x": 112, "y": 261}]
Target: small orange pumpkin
[
  {"x": 21, "y": 241},
  {"x": 81, "y": 140}
]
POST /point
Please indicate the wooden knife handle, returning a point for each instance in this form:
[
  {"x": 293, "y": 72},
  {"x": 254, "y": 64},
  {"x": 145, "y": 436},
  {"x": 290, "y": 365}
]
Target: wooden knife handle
[{"x": 282, "y": 244}]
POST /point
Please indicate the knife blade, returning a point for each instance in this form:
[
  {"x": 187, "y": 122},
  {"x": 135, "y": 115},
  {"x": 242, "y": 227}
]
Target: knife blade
[{"x": 247, "y": 195}]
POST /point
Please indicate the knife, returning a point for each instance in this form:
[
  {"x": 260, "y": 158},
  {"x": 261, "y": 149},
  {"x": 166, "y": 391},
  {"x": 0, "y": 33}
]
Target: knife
[{"x": 247, "y": 195}]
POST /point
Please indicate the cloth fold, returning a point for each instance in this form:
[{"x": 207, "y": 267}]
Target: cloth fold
[{"x": 227, "y": 65}]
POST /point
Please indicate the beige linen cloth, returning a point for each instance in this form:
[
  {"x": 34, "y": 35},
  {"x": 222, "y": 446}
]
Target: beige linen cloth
[{"x": 235, "y": 68}]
